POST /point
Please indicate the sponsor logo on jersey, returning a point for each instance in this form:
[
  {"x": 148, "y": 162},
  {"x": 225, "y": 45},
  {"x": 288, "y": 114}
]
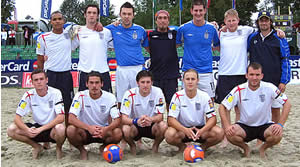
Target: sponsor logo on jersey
[{"x": 22, "y": 104}]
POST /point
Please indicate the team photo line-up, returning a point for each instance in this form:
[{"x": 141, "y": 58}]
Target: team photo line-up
[{"x": 253, "y": 72}]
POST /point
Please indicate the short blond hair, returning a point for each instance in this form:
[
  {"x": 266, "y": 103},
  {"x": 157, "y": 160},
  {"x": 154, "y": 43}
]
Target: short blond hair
[{"x": 231, "y": 12}]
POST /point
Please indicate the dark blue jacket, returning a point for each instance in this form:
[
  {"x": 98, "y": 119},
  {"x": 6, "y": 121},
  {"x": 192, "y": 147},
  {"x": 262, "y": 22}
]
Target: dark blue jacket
[{"x": 273, "y": 54}]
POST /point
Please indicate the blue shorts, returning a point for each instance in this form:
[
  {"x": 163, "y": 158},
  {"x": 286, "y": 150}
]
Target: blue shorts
[
  {"x": 64, "y": 82},
  {"x": 104, "y": 76},
  {"x": 225, "y": 84},
  {"x": 254, "y": 132},
  {"x": 44, "y": 136},
  {"x": 168, "y": 86}
]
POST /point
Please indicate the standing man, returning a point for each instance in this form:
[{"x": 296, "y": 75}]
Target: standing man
[
  {"x": 198, "y": 37},
  {"x": 254, "y": 99},
  {"x": 54, "y": 56},
  {"x": 11, "y": 36},
  {"x": 3, "y": 37},
  {"x": 142, "y": 112},
  {"x": 128, "y": 40},
  {"x": 46, "y": 105},
  {"x": 273, "y": 53},
  {"x": 94, "y": 117},
  {"x": 192, "y": 116},
  {"x": 93, "y": 49},
  {"x": 26, "y": 35},
  {"x": 163, "y": 54}
]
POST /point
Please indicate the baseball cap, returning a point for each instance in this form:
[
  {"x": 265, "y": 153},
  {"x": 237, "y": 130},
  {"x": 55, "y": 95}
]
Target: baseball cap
[
  {"x": 263, "y": 14},
  {"x": 162, "y": 11}
]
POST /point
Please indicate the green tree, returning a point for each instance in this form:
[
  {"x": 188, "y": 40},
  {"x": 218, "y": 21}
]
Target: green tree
[
  {"x": 7, "y": 7},
  {"x": 73, "y": 11}
]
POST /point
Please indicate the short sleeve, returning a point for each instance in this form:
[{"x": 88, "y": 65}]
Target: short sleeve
[
  {"x": 278, "y": 96},
  {"x": 40, "y": 46},
  {"x": 114, "y": 111},
  {"x": 210, "y": 109},
  {"x": 160, "y": 103},
  {"x": 126, "y": 105},
  {"x": 179, "y": 36},
  {"x": 24, "y": 105},
  {"x": 145, "y": 42},
  {"x": 59, "y": 105},
  {"x": 216, "y": 40},
  {"x": 174, "y": 107},
  {"x": 230, "y": 100},
  {"x": 76, "y": 104}
]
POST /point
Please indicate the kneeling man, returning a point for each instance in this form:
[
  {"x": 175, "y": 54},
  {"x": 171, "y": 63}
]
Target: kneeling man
[
  {"x": 47, "y": 109},
  {"x": 94, "y": 117},
  {"x": 187, "y": 113},
  {"x": 254, "y": 100},
  {"x": 142, "y": 112}
]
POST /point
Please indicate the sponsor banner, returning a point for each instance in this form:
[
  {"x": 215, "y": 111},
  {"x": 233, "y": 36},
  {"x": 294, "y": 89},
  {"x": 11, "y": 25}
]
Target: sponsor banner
[
  {"x": 46, "y": 9},
  {"x": 104, "y": 8},
  {"x": 13, "y": 79}
]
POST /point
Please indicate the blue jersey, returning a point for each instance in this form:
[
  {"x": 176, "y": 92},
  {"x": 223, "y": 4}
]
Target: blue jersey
[
  {"x": 197, "y": 46},
  {"x": 128, "y": 44}
]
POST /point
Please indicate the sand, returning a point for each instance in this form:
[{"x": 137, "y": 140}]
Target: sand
[{"x": 17, "y": 154}]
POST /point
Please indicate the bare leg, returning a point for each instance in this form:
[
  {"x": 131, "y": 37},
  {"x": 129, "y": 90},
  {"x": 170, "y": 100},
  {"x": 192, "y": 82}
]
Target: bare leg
[
  {"x": 158, "y": 130},
  {"x": 239, "y": 141},
  {"x": 271, "y": 140},
  {"x": 77, "y": 137},
  {"x": 225, "y": 140},
  {"x": 58, "y": 133},
  {"x": 129, "y": 133},
  {"x": 174, "y": 138},
  {"x": 213, "y": 137}
]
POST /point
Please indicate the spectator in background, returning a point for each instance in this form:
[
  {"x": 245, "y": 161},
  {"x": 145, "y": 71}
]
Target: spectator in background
[
  {"x": 3, "y": 37},
  {"x": 11, "y": 37},
  {"x": 26, "y": 35}
]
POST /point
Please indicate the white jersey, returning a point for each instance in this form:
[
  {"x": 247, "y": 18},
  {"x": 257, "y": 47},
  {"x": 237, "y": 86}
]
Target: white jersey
[
  {"x": 93, "y": 49},
  {"x": 57, "y": 47},
  {"x": 135, "y": 105},
  {"x": 233, "y": 51},
  {"x": 255, "y": 106},
  {"x": 44, "y": 109},
  {"x": 191, "y": 112},
  {"x": 95, "y": 111}
]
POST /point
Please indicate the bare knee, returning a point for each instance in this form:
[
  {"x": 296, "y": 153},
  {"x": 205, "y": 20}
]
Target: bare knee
[
  {"x": 218, "y": 133},
  {"x": 71, "y": 131},
  {"x": 60, "y": 128},
  {"x": 117, "y": 134},
  {"x": 170, "y": 135},
  {"x": 11, "y": 130},
  {"x": 126, "y": 130}
]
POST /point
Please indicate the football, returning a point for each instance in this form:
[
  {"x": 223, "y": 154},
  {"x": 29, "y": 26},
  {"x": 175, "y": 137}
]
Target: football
[
  {"x": 193, "y": 153},
  {"x": 112, "y": 153}
]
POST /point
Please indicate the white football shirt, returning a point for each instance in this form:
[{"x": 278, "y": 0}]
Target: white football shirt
[
  {"x": 57, "y": 47},
  {"x": 134, "y": 105},
  {"x": 95, "y": 111},
  {"x": 93, "y": 49},
  {"x": 44, "y": 109},
  {"x": 191, "y": 112},
  {"x": 233, "y": 51},
  {"x": 255, "y": 106}
]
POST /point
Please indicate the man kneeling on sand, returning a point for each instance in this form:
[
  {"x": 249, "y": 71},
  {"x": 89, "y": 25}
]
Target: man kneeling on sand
[
  {"x": 94, "y": 117},
  {"x": 254, "y": 99},
  {"x": 189, "y": 108},
  {"x": 47, "y": 108}
]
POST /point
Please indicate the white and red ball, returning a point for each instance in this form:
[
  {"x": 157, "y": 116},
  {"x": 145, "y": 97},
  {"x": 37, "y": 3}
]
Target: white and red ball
[
  {"x": 112, "y": 153},
  {"x": 193, "y": 153}
]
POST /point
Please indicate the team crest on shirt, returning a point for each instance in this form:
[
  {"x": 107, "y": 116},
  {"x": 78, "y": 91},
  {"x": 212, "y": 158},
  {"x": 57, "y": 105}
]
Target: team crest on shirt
[
  {"x": 173, "y": 106},
  {"x": 151, "y": 103},
  {"x": 102, "y": 108},
  {"x": 50, "y": 104},
  {"x": 229, "y": 98},
  {"x": 101, "y": 36},
  {"x": 198, "y": 106},
  {"x": 134, "y": 35},
  {"x": 170, "y": 35},
  {"x": 126, "y": 103},
  {"x": 239, "y": 32},
  {"x": 262, "y": 98},
  {"x": 22, "y": 104},
  {"x": 76, "y": 104},
  {"x": 206, "y": 35}
]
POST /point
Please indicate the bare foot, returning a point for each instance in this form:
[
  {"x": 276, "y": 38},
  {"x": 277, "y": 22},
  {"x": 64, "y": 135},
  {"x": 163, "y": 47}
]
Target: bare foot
[
  {"x": 133, "y": 150},
  {"x": 182, "y": 147},
  {"x": 46, "y": 145},
  {"x": 155, "y": 148},
  {"x": 36, "y": 151},
  {"x": 83, "y": 154},
  {"x": 247, "y": 152},
  {"x": 262, "y": 153},
  {"x": 59, "y": 153}
]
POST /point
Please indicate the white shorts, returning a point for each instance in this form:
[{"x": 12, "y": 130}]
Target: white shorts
[
  {"x": 126, "y": 79},
  {"x": 206, "y": 83}
]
